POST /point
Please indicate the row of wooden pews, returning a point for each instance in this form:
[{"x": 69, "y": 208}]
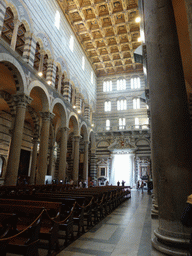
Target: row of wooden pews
[{"x": 52, "y": 212}]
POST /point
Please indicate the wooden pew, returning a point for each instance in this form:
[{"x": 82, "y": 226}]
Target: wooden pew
[
  {"x": 49, "y": 223},
  {"x": 16, "y": 241}
]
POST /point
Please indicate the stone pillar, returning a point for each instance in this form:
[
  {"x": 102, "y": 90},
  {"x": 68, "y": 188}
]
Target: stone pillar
[
  {"x": 29, "y": 48},
  {"x": 85, "y": 164},
  {"x": 17, "y": 23},
  {"x": 59, "y": 82},
  {"x": 51, "y": 158},
  {"x": 132, "y": 183},
  {"x": 67, "y": 91},
  {"x": 17, "y": 134},
  {"x": 93, "y": 165},
  {"x": 76, "y": 159},
  {"x": 34, "y": 161},
  {"x": 78, "y": 102},
  {"x": 63, "y": 153},
  {"x": 87, "y": 113},
  {"x": 51, "y": 72},
  {"x": 42, "y": 53},
  {"x": 44, "y": 139},
  {"x": 171, "y": 134},
  {"x": 2, "y": 15}
]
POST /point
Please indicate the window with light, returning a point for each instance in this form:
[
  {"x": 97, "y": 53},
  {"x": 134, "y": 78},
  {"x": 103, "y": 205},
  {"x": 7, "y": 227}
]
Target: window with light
[
  {"x": 121, "y": 104},
  {"x": 121, "y": 123},
  {"x": 83, "y": 63},
  {"x": 107, "y": 124},
  {"x": 136, "y": 122},
  {"x": 121, "y": 84},
  {"x": 92, "y": 77},
  {"x": 107, "y": 86},
  {"x": 71, "y": 43},
  {"x": 135, "y": 83},
  {"x": 107, "y": 106},
  {"x": 57, "y": 19},
  {"x": 136, "y": 103}
]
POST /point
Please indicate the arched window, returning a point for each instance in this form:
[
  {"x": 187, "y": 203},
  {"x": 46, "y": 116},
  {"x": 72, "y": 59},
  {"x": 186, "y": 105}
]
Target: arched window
[
  {"x": 45, "y": 65},
  {"x": 135, "y": 83},
  {"x": 57, "y": 78},
  {"x": 136, "y": 122},
  {"x": 20, "y": 39},
  {"x": 121, "y": 84},
  {"x": 107, "y": 124},
  {"x": 121, "y": 123},
  {"x": 57, "y": 19},
  {"x": 136, "y": 103},
  {"x": 8, "y": 26},
  {"x": 83, "y": 62},
  {"x": 121, "y": 104},
  {"x": 107, "y": 106},
  {"x": 107, "y": 86},
  {"x": 37, "y": 57},
  {"x": 71, "y": 43}
]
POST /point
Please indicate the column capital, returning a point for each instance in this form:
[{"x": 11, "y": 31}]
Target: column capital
[
  {"x": 76, "y": 138},
  {"x": 42, "y": 52},
  {"x": 35, "y": 139},
  {"x": 47, "y": 115},
  {"x": 66, "y": 129},
  {"x": 16, "y": 22},
  {"x": 50, "y": 61},
  {"x": 22, "y": 100}
]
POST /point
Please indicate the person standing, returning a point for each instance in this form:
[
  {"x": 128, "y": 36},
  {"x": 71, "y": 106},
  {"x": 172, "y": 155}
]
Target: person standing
[{"x": 142, "y": 185}]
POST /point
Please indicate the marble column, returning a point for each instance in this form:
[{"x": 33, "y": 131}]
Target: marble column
[
  {"x": 22, "y": 101},
  {"x": 59, "y": 82},
  {"x": 17, "y": 23},
  {"x": 63, "y": 153},
  {"x": 171, "y": 132},
  {"x": 43, "y": 151},
  {"x": 51, "y": 158},
  {"x": 29, "y": 48},
  {"x": 42, "y": 53},
  {"x": 51, "y": 72},
  {"x": 85, "y": 164},
  {"x": 67, "y": 91},
  {"x": 132, "y": 156},
  {"x": 34, "y": 161},
  {"x": 76, "y": 159}
]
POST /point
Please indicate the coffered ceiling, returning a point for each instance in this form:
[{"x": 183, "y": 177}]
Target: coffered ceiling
[{"x": 107, "y": 31}]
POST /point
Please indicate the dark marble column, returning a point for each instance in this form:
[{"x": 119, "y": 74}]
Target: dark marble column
[
  {"x": 34, "y": 161},
  {"x": 171, "y": 134},
  {"x": 43, "y": 151},
  {"x": 22, "y": 101},
  {"x": 76, "y": 159},
  {"x": 63, "y": 153}
]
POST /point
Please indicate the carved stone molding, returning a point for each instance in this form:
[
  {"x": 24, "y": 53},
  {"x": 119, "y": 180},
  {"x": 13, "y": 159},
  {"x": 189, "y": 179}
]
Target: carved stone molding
[{"x": 47, "y": 116}]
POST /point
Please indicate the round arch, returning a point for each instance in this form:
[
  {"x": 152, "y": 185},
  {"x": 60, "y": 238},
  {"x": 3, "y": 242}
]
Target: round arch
[
  {"x": 13, "y": 65},
  {"x": 84, "y": 129},
  {"x": 43, "y": 93},
  {"x": 74, "y": 119},
  {"x": 58, "y": 103},
  {"x": 142, "y": 139}
]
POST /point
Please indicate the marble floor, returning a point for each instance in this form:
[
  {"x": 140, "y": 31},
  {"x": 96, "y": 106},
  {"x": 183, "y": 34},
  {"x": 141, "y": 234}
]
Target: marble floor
[{"x": 126, "y": 231}]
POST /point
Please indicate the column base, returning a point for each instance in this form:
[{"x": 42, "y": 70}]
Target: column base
[
  {"x": 171, "y": 245},
  {"x": 154, "y": 211}
]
